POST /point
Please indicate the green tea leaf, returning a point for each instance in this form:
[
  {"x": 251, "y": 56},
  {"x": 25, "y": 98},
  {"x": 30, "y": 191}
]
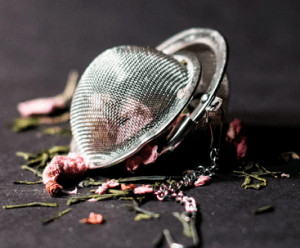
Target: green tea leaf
[
  {"x": 264, "y": 209},
  {"x": 31, "y": 204},
  {"x": 187, "y": 231},
  {"x": 28, "y": 182},
  {"x": 142, "y": 216},
  {"x": 59, "y": 214},
  {"x": 22, "y": 124}
]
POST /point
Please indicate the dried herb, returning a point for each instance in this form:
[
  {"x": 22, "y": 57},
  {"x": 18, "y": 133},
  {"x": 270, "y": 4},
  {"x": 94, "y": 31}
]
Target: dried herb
[
  {"x": 37, "y": 162},
  {"x": 34, "y": 171},
  {"x": 188, "y": 221},
  {"x": 289, "y": 156},
  {"x": 254, "y": 175},
  {"x": 64, "y": 132},
  {"x": 97, "y": 197},
  {"x": 141, "y": 216},
  {"x": 22, "y": 124},
  {"x": 28, "y": 182},
  {"x": 91, "y": 182},
  {"x": 142, "y": 213},
  {"x": 25, "y": 123},
  {"x": 31, "y": 204},
  {"x": 59, "y": 214},
  {"x": 264, "y": 209},
  {"x": 187, "y": 231}
]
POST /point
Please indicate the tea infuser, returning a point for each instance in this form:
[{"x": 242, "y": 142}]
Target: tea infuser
[{"x": 130, "y": 95}]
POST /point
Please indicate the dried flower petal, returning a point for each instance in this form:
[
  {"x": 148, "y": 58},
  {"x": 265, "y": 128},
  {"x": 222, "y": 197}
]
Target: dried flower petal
[
  {"x": 45, "y": 106},
  {"x": 285, "y": 175},
  {"x": 143, "y": 189},
  {"x": 105, "y": 186},
  {"x": 127, "y": 187},
  {"x": 40, "y": 106},
  {"x": 93, "y": 219},
  {"x": 63, "y": 168},
  {"x": 147, "y": 155},
  {"x": 235, "y": 138},
  {"x": 202, "y": 180},
  {"x": 72, "y": 192}
]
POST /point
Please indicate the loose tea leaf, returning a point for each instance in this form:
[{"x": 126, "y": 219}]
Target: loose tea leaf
[
  {"x": 34, "y": 171},
  {"x": 37, "y": 162},
  {"x": 31, "y": 204},
  {"x": 254, "y": 175},
  {"x": 91, "y": 182},
  {"x": 289, "y": 156},
  {"x": 25, "y": 155},
  {"x": 187, "y": 231},
  {"x": 264, "y": 209},
  {"x": 97, "y": 197},
  {"x": 59, "y": 214},
  {"x": 58, "y": 131},
  {"x": 22, "y": 124},
  {"x": 28, "y": 182},
  {"x": 143, "y": 214}
]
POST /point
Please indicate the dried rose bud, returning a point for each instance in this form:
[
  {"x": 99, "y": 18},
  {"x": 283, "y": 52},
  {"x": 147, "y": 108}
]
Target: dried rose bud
[
  {"x": 143, "y": 190},
  {"x": 127, "y": 187},
  {"x": 53, "y": 188},
  {"x": 93, "y": 219},
  {"x": 63, "y": 168},
  {"x": 202, "y": 180}
]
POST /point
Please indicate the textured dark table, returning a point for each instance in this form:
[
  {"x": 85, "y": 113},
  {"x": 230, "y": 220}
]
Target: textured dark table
[{"x": 42, "y": 40}]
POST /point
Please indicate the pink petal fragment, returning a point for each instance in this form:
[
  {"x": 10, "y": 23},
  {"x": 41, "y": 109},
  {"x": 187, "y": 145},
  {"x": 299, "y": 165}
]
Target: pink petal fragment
[
  {"x": 105, "y": 186},
  {"x": 72, "y": 192},
  {"x": 285, "y": 175},
  {"x": 202, "y": 180},
  {"x": 41, "y": 106},
  {"x": 93, "y": 219},
  {"x": 143, "y": 189},
  {"x": 235, "y": 138},
  {"x": 147, "y": 155}
]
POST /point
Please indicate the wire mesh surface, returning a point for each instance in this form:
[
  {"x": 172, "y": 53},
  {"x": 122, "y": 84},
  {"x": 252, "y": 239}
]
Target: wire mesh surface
[{"x": 126, "y": 96}]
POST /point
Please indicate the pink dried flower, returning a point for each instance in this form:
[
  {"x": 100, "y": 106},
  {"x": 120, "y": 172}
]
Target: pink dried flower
[
  {"x": 285, "y": 175},
  {"x": 93, "y": 219},
  {"x": 41, "y": 106},
  {"x": 105, "y": 186},
  {"x": 236, "y": 138},
  {"x": 127, "y": 187},
  {"x": 202, "y": 180},
  {"x": 143, "y": 190},
  {"x": 241, "y": 148},
  {"x": 147, "y": 155},
  {"x": 63, "y": 168}
]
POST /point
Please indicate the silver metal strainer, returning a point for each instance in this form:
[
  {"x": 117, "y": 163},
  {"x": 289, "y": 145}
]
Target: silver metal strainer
[{"x": 127, "y": 96}]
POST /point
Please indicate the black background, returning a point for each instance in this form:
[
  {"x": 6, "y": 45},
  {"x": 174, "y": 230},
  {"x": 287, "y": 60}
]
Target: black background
[{"x": 41, "y": 41}]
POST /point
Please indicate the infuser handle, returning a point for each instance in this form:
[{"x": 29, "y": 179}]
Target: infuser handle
[{"x": 216, "y": 42}]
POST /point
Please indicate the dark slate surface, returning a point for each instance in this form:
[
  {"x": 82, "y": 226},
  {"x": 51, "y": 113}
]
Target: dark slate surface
[{"x": 41, "y": 41}]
